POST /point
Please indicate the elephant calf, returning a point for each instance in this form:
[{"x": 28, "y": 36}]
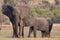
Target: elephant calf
[{"x": 41, "y": 24}]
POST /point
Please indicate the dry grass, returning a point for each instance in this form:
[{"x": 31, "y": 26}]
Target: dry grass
[{"x": 6, "y": 33}]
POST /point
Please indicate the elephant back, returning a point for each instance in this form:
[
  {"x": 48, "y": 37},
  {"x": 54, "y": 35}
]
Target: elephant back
[{"x": 42, "y": 24}]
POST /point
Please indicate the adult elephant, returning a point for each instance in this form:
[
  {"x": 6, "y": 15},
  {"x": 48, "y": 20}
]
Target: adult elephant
[
  {"x": 16, "y": 14},
  {"x": 8, "y": 11},
  {"x": 41, "y": 24},
  {"x": 21, "y": 9}
]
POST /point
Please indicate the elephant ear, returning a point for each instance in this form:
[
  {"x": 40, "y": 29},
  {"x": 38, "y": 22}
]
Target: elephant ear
[
  {"x": 26, "y": 21},
  {"x": 7, "y": 10},
  {"x": 22, "y": 9}
]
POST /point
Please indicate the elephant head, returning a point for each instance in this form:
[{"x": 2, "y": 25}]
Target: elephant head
[{"x": 7, "y": 10}]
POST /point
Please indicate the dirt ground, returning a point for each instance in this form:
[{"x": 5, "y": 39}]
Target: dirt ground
[{"x": 6, "y": 33}]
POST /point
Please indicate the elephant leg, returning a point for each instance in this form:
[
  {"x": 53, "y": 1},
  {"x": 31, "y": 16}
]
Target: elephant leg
[
  {"x": 50, "y": 28},
  {"x": 17, "y": 25},
  {"x": 34, "y": 31},
  {"x": 43, "y": 33},
  {"x": 23, "y": 32},
  {"x": 21, "y": 29},
  {"x": 30, "y": 31},
  {"x": 14, "y": 32},
  {"x": 14, "y": 28},
  {"x": 48, "y": 34},
  {"x": 14, "y": 22}
]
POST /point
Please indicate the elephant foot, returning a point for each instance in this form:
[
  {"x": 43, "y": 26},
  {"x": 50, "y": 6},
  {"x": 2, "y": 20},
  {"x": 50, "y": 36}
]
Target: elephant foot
[
  {"x": 15, "y": 36},
  {"x": 28, "y": 36},
  {"x": 34, "y": 36},
  {"x": 47, "y": 36},
  {"x": 20, "y": 37}
]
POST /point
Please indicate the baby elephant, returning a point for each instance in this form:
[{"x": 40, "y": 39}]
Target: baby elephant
[{"x": 41, "y": 24}]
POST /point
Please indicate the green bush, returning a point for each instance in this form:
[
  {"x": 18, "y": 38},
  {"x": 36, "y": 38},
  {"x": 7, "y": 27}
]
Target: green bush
[
  {"x": 12, "y": 2},
  {"x": 42, "y": 12},
  {"x": 57, "y": 12},
  {"x": 57, "y": 1}
]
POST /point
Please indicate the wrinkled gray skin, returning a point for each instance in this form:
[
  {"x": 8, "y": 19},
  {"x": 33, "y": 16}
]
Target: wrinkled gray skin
[{"x": 41, "y": 24}]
